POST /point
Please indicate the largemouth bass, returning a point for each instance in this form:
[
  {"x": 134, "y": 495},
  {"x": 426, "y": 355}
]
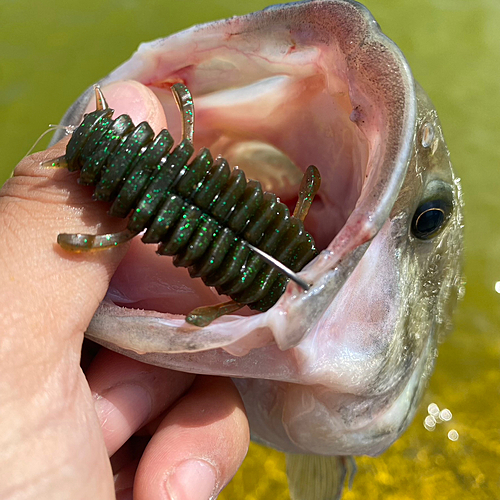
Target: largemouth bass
[{"x": 338, "y": 370}]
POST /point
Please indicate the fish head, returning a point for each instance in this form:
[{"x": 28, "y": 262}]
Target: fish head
[
  {"x": 338, "y": 369},
  {"x": 367, "y": 362}
]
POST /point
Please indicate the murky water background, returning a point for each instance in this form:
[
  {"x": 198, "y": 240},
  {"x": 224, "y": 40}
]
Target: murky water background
[{"x": 50, "y": 52}]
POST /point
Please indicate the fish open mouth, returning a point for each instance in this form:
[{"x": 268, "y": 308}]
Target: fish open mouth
[
  {"x": 274, "y": 92},
  {"x": 272, "y": 128}
]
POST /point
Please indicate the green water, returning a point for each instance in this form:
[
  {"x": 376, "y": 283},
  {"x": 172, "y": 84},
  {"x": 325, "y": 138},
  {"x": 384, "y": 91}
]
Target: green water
[{"x": 50, "y": 52}]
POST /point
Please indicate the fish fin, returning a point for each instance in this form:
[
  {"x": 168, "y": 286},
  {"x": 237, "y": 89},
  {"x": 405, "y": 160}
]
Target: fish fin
[{"x": 318, "y": 477}]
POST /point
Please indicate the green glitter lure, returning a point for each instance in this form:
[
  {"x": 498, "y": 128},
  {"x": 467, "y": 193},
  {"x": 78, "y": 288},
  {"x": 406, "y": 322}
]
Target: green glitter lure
[{"x": 224, "y": 229}]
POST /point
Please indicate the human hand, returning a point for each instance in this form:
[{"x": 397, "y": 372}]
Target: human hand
[{"x": 59, "y": 425}]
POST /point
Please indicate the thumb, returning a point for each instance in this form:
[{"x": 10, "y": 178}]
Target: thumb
[
  {"x": 52, "y": 440},
  {"x": 48, "y": 296}
]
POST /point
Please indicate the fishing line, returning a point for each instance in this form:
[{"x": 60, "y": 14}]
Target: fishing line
[{"x": 52, "y": 128}]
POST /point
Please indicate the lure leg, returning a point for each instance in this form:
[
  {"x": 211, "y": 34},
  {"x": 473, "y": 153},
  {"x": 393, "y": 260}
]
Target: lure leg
[
  {"x": 100, "y": 104},
  {"x": 184, "y": 102},
  {"x": 203, "y": 316},
  {"x": 90, "y": 242},
  {"x": 59, "y": 162},
  {"x": 308, "y": 189},
  {"x": 100, "y": 101}
]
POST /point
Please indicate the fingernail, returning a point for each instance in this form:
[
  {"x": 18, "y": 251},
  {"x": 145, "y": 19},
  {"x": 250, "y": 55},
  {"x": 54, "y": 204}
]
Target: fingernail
[
  {"x": 191, "y": 480},
  {"x": 123, "y": 409}
]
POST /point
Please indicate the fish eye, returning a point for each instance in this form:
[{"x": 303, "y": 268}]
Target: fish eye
[{"x": 434, "y": 211}]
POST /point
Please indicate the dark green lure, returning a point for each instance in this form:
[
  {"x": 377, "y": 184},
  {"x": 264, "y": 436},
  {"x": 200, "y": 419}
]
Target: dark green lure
[{"x": 200, "y": 212}]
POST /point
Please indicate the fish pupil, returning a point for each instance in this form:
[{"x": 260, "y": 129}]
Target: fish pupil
[{"x": 430, "y": 218}]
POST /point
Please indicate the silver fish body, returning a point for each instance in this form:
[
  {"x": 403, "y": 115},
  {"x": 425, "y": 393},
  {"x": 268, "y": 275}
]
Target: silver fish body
[{"x": 338, "y": 370}]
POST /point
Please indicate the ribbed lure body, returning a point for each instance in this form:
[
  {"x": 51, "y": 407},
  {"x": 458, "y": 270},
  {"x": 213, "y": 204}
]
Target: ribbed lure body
[{"x": 198, "y": 211}]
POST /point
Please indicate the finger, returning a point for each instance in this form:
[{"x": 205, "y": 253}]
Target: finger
[
  {"x": 198, "y": 447},
  {"x": 128, "y": 394},
  {"x": 47, "y": 299}
]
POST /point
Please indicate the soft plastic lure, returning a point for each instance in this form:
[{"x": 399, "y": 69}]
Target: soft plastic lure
[{"x": 223, "y": 228}]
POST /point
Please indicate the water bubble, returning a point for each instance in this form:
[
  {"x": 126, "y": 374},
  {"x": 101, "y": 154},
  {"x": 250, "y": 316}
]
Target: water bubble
[
  {"x": 453, "y": 435},
  {"x": 433, "y": 409},
  {"x": 497, "y": 287},
  {"x": 430, "y": 423},
  {"x": 445, "y": 415}
]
